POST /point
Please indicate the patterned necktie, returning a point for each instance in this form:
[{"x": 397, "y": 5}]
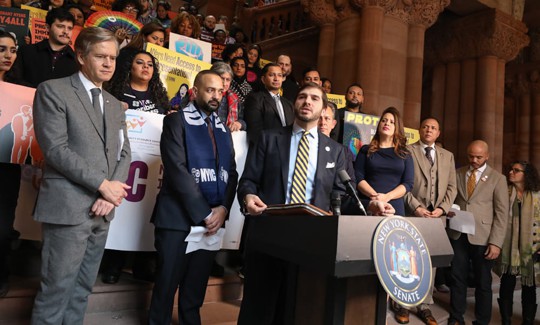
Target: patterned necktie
[
  {"x": 299, "y": 180},
  {"x": 471, "y": 183},
  {"x": 428, "y": 155},
  {"x": 97, "y": 105}
]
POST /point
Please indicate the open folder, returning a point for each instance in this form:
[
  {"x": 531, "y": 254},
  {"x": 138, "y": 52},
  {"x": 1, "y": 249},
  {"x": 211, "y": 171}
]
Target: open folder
[{"x": 296, "y": 208}]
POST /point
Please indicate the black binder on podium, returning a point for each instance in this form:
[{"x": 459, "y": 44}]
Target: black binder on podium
[{"x": 336, "y": 283}]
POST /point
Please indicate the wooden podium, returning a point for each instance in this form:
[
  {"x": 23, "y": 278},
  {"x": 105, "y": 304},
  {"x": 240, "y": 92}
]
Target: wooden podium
[{"x": 336, "y": 282}]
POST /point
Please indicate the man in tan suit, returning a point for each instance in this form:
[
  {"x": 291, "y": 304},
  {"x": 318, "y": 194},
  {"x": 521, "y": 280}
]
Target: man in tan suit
[
  {"x": 433, "y": 192},
  {"x": 483, "y": 192}
]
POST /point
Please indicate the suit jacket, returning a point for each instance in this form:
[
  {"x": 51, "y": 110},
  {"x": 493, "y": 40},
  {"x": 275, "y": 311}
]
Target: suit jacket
[
  {"x": 267, "y": 168},
  {"x": 78, "y": 154},
  {"x": 261, "y": 113},
  {"x": 446, "y": 180},
  {"x": 180, "y": 203},
  {"x": 489, "y": 204}
]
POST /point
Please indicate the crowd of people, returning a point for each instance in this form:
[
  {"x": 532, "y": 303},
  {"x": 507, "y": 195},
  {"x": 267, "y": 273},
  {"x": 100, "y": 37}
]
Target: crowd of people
[{"x": 82, "y": 95}]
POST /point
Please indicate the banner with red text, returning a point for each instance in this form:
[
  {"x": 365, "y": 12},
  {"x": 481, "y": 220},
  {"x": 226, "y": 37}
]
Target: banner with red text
[{"x": 16, "y": 21}]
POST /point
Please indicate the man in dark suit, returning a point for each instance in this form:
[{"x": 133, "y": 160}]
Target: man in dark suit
[
  {"x": 265, "y": 109},
  {"x": 289, "y": 87},
  {"x": 482, "y": 191},
  {"x": 199, "y": 183},
  {"x": 268, "y": 178},
  {"x": 82, "y": 132}
]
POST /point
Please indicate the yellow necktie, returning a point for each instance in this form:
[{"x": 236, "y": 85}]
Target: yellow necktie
[
  {"x": 471, "y": 183},
  {"x": 299, "y": 180}
]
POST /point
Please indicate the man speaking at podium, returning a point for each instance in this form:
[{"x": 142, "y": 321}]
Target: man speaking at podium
[{"x": 295, "y": 164}]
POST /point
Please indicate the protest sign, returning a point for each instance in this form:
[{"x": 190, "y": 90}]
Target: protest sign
[
  {"x": 339, "y": 100},
  {"x": 176, "y": 70},
  {"x": 100, "y": 5},
  {"x": 39, "y": 30},
  {"x": 193, "y": 48},
  {"x": 16, "y": 21}
]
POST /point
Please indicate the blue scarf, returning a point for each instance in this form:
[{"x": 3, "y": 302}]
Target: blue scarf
[{"x": 210, "y": 174}]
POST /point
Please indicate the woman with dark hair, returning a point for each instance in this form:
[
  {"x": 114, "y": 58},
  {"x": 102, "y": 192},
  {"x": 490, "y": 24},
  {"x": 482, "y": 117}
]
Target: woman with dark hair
[
  {"x": 384, "y": 168},
  {"x": 78, "y": 14},
  {"x": 162, "y": 11},
  {"x": 232, "y": 51},
  {"x": 152, "y": 33},
  {"x": 254, "y": 54},
  {"x": 10, "y": 174},
  {"x": 239, "y": 84},
  {"x": 186, "y": 24},
  {"x": 520, "y": 254},
  {"x": 327, "y": 85},
  {"x": 140, "y": 86}
]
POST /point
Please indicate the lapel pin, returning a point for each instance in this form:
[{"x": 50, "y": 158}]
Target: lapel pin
[
  {"x": 327, "y": 148},
  {"x": 484, "y": 178}
]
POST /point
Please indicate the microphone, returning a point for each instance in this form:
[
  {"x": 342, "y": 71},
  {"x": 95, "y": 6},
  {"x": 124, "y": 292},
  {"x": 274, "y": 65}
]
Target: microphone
[
  {"x": 336, "y": 203},
  {"x": 346, "y": 180}
]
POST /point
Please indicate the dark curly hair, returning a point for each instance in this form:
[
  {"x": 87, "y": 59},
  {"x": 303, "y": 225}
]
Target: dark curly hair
[
  {"x": 532, "y": 180},
  {"x": 399, "y": 140},
  {"x": 120, "y": 82}
]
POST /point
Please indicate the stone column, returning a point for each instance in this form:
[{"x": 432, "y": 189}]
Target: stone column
[
  {"x": 438, "y": 86},
  {"x": 369, "y": 54},
  {"x": 523, "y": 119},
  {"x": 467, "y": 104},
  {"x": 423, "y": 14},
  {"x": 489, "y": 38},
  {"x": 451, "y": 104},
  {"x": 324, "y": 15}
]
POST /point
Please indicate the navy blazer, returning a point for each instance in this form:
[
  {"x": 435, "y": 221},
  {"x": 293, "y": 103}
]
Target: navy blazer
[
  {"x": 267, "y": 169},
  {"x": 261, "y": 113},
  {"x": 180, "y": 203}
]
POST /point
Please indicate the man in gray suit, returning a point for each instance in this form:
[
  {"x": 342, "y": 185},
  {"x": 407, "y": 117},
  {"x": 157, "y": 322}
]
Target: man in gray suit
[
  {"x": 433, "y": 192},
  {"x": 483, "y": 192},
  {"x": 81, "y": 130}
]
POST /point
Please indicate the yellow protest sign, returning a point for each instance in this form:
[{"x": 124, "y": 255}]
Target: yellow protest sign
[
  {"x": 176, "y": 69},
  {"x": 35, "y": 13},
  {"x": 339, "y": 100}
]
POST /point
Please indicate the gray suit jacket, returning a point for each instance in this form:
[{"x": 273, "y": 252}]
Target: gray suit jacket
[
  {"x": 446, "y": 180},
  {"x": 489, "y": 204},
  {"x": 78, "y": 156}
]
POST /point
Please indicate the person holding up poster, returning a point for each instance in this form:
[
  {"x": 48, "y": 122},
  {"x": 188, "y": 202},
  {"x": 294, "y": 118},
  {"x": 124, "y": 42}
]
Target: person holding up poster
[{"x": 10, "y": 174}]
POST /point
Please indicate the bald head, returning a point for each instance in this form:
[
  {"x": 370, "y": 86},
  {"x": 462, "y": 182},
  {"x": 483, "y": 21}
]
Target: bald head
[{"x": 478, "y": 153}]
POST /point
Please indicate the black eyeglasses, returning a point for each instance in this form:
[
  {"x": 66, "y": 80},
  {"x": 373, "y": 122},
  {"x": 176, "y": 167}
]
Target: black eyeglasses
[{"x": 517, "y": 170}]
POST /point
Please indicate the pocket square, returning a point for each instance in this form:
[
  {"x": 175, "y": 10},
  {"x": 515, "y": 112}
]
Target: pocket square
[{"x": 330, "y": 165}]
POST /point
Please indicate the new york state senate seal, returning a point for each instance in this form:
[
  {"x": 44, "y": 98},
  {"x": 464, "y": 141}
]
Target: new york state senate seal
[{"x": 402, "y": 261}]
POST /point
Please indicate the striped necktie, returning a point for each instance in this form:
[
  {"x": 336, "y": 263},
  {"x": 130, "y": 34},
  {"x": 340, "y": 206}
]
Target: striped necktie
[
  {"x": 471, "y": 183},
  {"x": 299, "y": 180}
]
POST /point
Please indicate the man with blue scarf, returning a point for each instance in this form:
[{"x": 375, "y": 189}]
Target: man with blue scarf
[{"x": 199, "y": 184}]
